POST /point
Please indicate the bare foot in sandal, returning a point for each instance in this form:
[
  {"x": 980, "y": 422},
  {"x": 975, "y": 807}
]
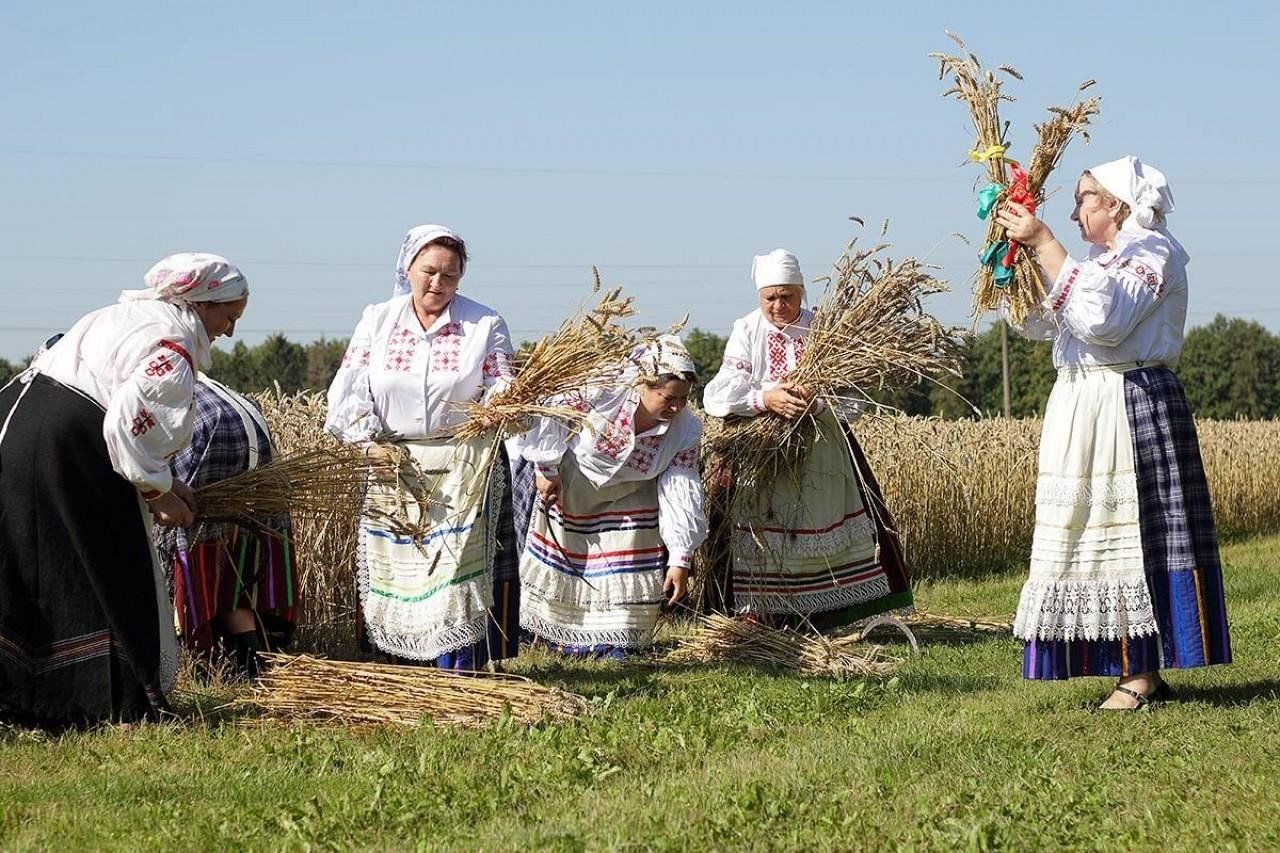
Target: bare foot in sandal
[{"x": 1135, "y": 692}]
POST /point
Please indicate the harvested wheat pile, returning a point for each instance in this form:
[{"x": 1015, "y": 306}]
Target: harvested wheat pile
[
  {"x": 722, "y": 639},
  {"x": 304, "y": 688}
]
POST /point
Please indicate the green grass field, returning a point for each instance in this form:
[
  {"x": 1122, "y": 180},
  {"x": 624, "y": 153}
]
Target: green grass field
[{"x": 955, "y": 752}]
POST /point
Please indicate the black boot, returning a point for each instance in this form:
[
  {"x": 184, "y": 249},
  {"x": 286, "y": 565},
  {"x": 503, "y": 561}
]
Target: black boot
[{"x": 244, "y": 649}]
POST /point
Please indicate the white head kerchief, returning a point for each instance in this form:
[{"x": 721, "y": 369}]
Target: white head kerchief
[
  {"x": 412, "y": 245},
  {"x": 1142, "y": 187},
  {"x": 191, "y": 277},
  {"x": 665, "y": 355},
  {"x": 777, "y": 267},
  {"x": 1145, "y": 189}
]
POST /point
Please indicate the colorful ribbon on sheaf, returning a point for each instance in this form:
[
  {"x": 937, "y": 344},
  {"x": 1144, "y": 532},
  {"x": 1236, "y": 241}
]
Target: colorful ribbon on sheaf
[
  {"x": 1001, "y": 256},
  {"x": 1019, "y": 193},
  {"x": 987, "y": 197},
  {"x": 980, "y": 156},
  {"x": 993, "y": 256}
]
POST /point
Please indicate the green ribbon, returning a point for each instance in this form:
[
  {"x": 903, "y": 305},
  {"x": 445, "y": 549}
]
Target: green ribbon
[
  {"x": 991, "y": 257},
  {"x": 987, "y": 199}
]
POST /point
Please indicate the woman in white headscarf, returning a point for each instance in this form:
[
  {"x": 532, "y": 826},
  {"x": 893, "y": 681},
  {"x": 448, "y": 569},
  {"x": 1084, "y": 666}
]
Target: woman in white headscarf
[
  {"x": 449, "y": 593},
  {"x": 86, "y": 625},
  {"x": 618, "y": 512},
  {"x": 819, "y": 550},
  {"x": 1125, "y": 576}
]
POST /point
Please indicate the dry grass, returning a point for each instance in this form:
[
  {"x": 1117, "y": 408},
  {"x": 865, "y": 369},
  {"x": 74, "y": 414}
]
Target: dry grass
[
  {"x": 721, "y": 639},
  {"x": 980, "y": 89},
  {"x": 305, "y": 688}
]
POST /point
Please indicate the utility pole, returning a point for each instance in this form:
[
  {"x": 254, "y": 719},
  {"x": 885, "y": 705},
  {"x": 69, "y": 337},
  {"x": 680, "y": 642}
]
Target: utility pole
[{"x": 1004, "y": 367}]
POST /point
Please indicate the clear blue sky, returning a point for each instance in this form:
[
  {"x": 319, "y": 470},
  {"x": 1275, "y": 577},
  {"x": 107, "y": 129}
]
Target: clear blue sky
[{"x": 667, "y": 143}]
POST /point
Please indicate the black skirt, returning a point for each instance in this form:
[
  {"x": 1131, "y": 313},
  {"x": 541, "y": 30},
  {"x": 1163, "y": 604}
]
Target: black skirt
[{"x": 80, "y": 630}]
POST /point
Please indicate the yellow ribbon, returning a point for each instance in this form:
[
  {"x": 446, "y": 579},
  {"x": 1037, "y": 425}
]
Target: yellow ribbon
[{"x": 982, "y": 156}]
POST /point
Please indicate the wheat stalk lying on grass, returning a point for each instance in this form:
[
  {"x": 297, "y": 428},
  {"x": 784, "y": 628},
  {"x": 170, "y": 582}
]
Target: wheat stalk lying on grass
[
  {"x": 869, "y": 333},
  {"x": 589, "y": 351},
  {"x": 923, "y": 619},
  {"x": 301, "y": 687},
  {"x": 314, "y": 483},
  {"x": 722, "y": 639},
  {"x": 980, "y": 90}
]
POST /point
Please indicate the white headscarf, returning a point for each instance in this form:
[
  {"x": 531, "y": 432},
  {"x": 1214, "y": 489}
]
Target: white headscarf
[
  {"x": 1145, "y": 189},
  {"x": 1142, "y": 187},
  {"x": 779, "y": 267},
  {"x": 191, "y": 277},
  {"x": 412, "y": 245},
  {"x": 665, "y": 355}
]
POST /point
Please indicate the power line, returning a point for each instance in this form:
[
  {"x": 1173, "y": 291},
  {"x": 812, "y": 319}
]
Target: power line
[{"x": 529, "y": 170}]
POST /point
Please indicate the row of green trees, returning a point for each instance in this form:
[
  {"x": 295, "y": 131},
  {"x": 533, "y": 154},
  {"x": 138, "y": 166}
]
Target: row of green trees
[{"x": 1231, "y": 368}]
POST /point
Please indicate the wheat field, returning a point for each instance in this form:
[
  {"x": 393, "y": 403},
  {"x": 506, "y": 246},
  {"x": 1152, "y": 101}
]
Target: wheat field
[{"x": 962, "y": 492}]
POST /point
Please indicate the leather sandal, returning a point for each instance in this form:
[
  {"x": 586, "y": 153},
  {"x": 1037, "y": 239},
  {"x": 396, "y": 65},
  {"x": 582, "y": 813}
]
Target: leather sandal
[{"x": 1161, "y": 694}]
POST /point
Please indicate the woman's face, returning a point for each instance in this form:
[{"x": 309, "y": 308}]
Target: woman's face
[
  {"x": 664, "y": 402},
  {"x": 433, "y": 278},
  {"x": 220, "y": 318},
  {"x": 1096, "y": 218},
  {"x": 780, "y": 303}
]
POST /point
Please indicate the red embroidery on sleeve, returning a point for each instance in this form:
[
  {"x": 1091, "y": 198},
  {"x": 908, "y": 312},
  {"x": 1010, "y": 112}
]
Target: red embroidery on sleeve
[
  {"x": 496, "y": 364},
  {"x": 1066, "y": 289},
  {"x": 178, "y": 348},
  {"x": 686, "y": 459},
  {"x": 142, "y": 422},
  {"x": 159, "y": 366}
]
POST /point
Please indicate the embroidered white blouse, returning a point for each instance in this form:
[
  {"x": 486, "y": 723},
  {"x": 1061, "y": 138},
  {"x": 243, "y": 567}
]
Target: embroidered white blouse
[
  {"x": 1116, "y": 306},
  {"x": 138, "y": 360},
  {"x": 399, "y": 378},
  {"x": 608, "y": 450},
  {"x": 755, "y": 358}
]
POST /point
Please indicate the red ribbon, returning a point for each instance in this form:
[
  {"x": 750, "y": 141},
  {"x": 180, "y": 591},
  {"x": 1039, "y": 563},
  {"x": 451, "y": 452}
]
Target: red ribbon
[{"x": 1020, "y": 193}]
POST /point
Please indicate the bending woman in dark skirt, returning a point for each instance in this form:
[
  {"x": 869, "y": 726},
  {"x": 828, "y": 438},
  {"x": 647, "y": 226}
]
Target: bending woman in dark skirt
[{"x": 86, "y": 625}]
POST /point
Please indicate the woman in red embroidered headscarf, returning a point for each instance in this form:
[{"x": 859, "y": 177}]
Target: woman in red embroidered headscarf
[
  {"x": 820, "y": 550},
  {"x": 86, "y": 433}
]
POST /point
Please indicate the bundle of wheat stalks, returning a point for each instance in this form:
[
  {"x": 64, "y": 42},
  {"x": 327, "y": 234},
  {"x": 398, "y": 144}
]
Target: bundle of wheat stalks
[
  {"x": 980, "y": 90},
  {"x": 302, "y": 687},
  {"x": 587, "y": 352},
  {"x": 869, "y": 332},
  {"x": 318, "y": 484},
  {"x": 722, "y": 639}
]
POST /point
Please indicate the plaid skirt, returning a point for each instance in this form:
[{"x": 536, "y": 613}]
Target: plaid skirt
[{"x": 1179, "y": 548}]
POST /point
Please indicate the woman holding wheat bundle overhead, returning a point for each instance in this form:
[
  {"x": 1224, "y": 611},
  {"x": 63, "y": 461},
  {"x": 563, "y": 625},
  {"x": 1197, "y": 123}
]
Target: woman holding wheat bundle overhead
[
  {"x": 1125, "y": 577},
  {"x": 436, "y": 560},
  {"x": 818, "y": 547},
  {"x": 618, "y": 509},
  {"x": 86, "y": 624}
]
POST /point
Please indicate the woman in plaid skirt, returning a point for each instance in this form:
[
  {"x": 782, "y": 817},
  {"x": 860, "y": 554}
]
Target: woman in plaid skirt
[{"x": 1125, "y": 578}]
